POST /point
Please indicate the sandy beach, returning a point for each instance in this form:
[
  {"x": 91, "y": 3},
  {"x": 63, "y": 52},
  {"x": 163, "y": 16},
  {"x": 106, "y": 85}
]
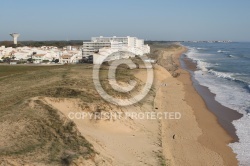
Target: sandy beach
[{"x": 199, "y": 138}]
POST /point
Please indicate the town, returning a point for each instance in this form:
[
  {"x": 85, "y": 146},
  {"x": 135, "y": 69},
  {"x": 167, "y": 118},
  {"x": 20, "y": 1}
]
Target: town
[{"x": 95, "y": 51}]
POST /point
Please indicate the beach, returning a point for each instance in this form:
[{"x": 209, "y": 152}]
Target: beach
[{"x": 199, "y": 138}]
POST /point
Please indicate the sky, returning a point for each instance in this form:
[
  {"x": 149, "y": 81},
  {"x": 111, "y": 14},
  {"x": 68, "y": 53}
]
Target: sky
[{"x": 147, "y": 19}]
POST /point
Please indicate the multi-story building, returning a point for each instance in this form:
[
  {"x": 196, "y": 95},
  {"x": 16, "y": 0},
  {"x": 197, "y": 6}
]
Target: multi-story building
[
  {"x": 104, "y": 45},
  {"x": 101, "y": 47},
  {"x": 131, "y": 43},
  {"x": 102, "y": 39},
  {"x": 91, "y": 47}
]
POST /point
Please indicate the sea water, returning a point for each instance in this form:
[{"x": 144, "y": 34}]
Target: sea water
[{"x": 225, "y": 69}]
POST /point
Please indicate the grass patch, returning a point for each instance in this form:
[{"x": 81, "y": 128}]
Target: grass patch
[{"x": 45, "y": 136}]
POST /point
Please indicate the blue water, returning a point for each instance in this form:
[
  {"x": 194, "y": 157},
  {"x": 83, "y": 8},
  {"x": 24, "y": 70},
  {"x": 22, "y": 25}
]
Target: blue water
[{"x": 225, "y": 69}]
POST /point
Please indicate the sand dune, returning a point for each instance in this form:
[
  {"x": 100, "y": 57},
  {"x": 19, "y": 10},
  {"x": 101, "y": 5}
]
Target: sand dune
[{"x": 118, "y": 142}]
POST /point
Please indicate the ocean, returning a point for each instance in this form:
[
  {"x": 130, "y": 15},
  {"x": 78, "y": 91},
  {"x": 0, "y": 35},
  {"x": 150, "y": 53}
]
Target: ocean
[{"x": 224, "y": 68}]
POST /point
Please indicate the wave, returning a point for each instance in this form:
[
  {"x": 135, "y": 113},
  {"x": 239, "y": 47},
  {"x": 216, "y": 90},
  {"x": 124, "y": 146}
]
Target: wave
[
  {"x": 221, "y": 51},
  {"x": 201, "y": 48},
  {"x": 204, "y": 66},
  {"x": 232, "y": 77},
  {"x": 222, "y": 74},
  {"x": 231, "y": 56},
  {"x": 201, "y": 64},
  {"x": 238, "y": 100},
  {"x": 192, "y": 54},
  {"x": 242, "y": 147}
]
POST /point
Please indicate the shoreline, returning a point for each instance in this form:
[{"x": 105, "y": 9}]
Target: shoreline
[
  {"x": 225, "y": 116},
  {"x": 200, "y": 139}
]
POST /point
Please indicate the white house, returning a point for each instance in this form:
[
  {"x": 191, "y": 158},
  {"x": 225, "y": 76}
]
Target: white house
[{"x": 67, "y": 58}]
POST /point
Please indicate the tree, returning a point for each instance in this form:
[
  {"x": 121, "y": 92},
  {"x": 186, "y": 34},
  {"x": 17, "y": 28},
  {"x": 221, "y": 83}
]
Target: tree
[
  {"x": 13, "y": 57},
  {"x": 6, "y": 60},
  {"x": 30, "y": 60}
]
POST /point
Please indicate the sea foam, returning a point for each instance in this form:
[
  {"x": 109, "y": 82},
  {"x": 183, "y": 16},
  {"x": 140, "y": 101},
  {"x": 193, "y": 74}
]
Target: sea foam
[
  {"x": 222, "y": 74},
  {"x": 221, "y": 51},
  {"x": 192, "y": 54}
]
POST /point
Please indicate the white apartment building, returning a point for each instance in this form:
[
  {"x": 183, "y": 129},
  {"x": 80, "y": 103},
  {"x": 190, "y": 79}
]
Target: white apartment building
[
  {"x": 91, "y": 47},
  {"x": 125, "y": 41},
  {"x": 101, "y": 47}
]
